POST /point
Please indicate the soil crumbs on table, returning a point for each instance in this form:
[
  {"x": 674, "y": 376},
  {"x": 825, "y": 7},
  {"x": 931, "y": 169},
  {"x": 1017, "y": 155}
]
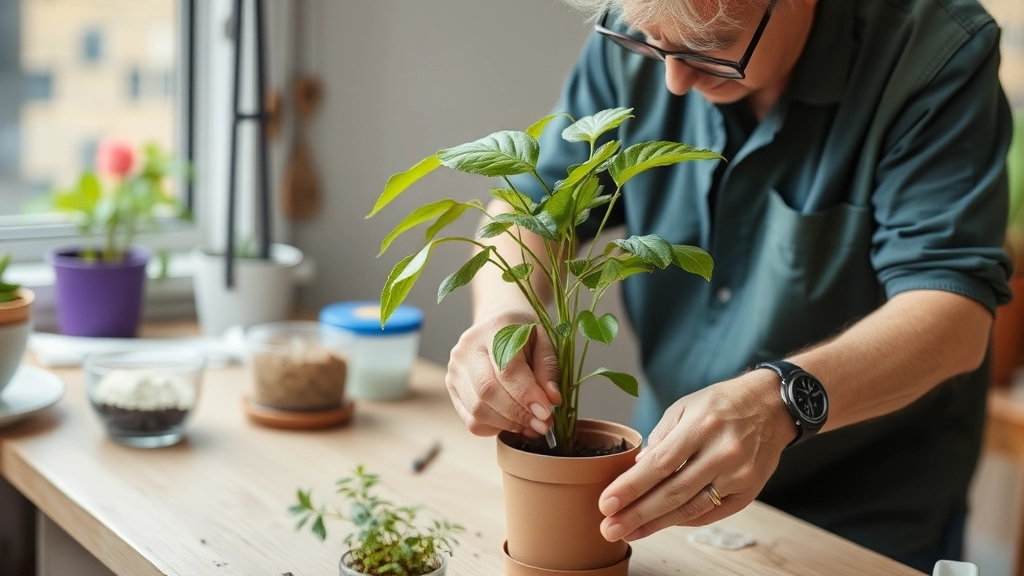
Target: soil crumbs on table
[{"x": 541, "y": 447}]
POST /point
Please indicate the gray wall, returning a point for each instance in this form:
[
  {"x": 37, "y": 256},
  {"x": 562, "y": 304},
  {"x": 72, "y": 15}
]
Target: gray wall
[{"x": 404, "y": 79}]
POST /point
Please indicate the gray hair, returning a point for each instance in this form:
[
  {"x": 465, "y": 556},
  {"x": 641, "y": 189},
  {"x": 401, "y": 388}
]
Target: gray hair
[{"x": 696, "y": 23}]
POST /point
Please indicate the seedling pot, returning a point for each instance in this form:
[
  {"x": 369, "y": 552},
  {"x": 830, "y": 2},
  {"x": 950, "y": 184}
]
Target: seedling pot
[
  {"x": 551, "y": 505},
  {"x": 97, "y": 298},
  {"x": 15, "y": 327},
  {"x": 344, "y": 569}
]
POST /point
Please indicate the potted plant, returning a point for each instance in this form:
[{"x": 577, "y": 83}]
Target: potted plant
[
  {"x": 551, "y": 496},
  {"x": 100, "y": 287},
  {"x": 15, "y": 323},
  {"x": 1008, "y": 331},
  {"x": 387, "y": 541}
]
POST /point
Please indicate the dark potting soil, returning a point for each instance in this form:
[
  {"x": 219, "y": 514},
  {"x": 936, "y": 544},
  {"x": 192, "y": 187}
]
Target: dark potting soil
[
  {"x": 141, "y": 421},
  {"x": 541, "y": 447}
]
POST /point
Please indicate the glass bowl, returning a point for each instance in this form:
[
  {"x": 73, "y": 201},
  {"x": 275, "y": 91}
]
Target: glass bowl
[
  {"x": 144, "y": 399},
  {"x": 297, "y": 366}
]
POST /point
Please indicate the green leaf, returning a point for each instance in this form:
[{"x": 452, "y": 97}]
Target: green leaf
[
  {"x": 509, "y": 341},
  {"x": 543, "y": 224},
  {"x": 451, "y": 215},
  {"x": 302, "y": 521},
  {"x": 464, "y": 275},
  {"x": 590, "y": 128},
  {"x": 564, "y": 330},
  {"x": 503, "y": 153},
  {"x": 613, "y": 270},
  {"x": 600, "y": 201},
  {"x": 560, "y": 207},
  {"x": 417, "y": 217},
  {"x": 304, "y": 499},
  {"x": 585, "y": 193},
  {"x": 318, "y": 528},
  {"x": 583, "y": 216},
  {"x": 693, "y": 260},
  {"x": 494, "y": 228},
  {"x": 5, "y": 260},
  {"x": 296, "y": 509},
  {"x": 652, "y": 249},
  {"x": 583, "y": 170},
  {"x": 537, "y": 127},
  {"x": 641, "y": 157},
  {"x": 399, "y": 182},
  {"x": 518, "y": 272},
  {"x": 627, "y": 383},
  {"x": 520, "y": 202},
  {"x": 578, "y": 267},
  {"x": 603, "y": 329}
]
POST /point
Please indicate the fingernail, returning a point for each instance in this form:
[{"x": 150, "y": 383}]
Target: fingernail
[
  {"x": 529, "y": 433},
  {"x": 634, "y": 535},
  {"x": 539, "y": 426},
  {"x": 614, "y": 532},
  {"x": 609, "y": 505},
  {"x": 641, "y": 454},
  {"x": 539, "y": 411},
  {"x": 553, "y": 386}
]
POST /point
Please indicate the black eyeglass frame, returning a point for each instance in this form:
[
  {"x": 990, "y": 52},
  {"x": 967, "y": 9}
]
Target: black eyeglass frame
[{"x": 739, "y": 67}]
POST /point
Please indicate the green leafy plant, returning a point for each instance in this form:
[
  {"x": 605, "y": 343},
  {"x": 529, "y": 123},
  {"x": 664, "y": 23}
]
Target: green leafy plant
[
  {"x": 387, "y": 541},
  {"x": 567, "y": 204},
  {"x": 8, "y": 291},
  {"x": 132, "y": 198}
]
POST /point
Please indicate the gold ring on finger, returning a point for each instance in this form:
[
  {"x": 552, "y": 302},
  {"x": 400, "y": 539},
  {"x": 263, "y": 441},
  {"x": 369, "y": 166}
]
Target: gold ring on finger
[{"x": 716, "y": 498}]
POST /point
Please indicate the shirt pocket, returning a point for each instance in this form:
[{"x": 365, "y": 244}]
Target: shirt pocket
[{"x": 812, "y": 274}]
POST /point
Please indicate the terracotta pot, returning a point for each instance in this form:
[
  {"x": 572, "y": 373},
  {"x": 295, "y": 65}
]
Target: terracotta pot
[
  {"x": 551, "y": 505},
  {"x": 15, "y": 327},
  {"x": 1008, "y": 335}
]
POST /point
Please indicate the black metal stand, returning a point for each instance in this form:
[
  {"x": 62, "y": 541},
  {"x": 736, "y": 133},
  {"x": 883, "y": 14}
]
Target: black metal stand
[{"x": 259, "y": 116}]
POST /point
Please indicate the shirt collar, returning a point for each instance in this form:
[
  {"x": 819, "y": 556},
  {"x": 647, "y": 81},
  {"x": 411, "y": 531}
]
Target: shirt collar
[{"x": 821, "y": 73}]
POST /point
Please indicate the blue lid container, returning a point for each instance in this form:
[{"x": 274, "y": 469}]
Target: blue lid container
[{"x": 363, "y": 318}]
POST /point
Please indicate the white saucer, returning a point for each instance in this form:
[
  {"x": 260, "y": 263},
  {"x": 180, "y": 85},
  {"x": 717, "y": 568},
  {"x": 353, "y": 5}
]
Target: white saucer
[{"x": 30, "y": 391}]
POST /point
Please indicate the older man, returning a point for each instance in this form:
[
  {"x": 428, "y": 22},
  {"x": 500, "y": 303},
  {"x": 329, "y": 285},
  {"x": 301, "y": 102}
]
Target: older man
[{"x": 857, "y": 233}]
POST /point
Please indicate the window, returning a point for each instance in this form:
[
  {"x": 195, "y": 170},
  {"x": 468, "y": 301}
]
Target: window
[
  {"x": 38, "y": 86},
  {"x": 62, "y": 104},
  {"x": 92, "y": 46}
]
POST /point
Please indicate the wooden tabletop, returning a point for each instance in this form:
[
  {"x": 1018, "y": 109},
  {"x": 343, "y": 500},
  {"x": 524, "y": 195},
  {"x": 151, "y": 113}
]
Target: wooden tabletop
[{"x": 217, "y": 503}]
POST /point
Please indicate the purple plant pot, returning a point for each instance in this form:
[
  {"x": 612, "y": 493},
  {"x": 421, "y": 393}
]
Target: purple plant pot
[{"x": 99, "y": 298}]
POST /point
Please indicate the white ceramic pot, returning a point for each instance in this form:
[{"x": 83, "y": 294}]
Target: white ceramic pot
[{"x": 263, "y": 291}]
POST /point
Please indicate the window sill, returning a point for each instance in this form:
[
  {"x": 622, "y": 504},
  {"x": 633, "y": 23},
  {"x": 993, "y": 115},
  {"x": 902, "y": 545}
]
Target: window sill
[{"x": 166, "y": 298}]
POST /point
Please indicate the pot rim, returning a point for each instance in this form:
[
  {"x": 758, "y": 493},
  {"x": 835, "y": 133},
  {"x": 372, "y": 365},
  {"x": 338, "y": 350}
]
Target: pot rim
[
  {"x": 281, "y": 256},
  {"x": 343, "y": 566},
  {"x": 568, "y": 469},
  {"x": 19, "y": 310},
  {"x": 135, "y": 256}
]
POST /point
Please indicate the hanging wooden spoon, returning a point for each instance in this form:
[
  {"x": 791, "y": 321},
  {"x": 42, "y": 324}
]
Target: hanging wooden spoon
[{"x": 301, "y": 190}]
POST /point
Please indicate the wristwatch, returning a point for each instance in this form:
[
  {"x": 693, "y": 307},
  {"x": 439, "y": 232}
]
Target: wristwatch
[{"x": 803, "y": 396}]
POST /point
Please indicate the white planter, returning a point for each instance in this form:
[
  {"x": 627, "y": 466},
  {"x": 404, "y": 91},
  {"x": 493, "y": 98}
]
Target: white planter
[{"x": 263, "y": 291}]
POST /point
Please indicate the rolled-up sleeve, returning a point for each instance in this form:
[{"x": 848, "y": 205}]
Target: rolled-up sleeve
[{"x": 940, "y": 202}]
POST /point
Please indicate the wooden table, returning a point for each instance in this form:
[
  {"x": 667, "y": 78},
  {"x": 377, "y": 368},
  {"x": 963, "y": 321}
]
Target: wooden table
[{"x": 216, "y": 504}]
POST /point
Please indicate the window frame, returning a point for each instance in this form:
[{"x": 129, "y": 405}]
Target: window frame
[{"x": 30, "y": 242}]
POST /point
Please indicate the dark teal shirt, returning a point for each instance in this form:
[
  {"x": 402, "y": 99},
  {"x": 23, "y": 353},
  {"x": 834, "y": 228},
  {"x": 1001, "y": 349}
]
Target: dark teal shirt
[{"x": 880, "y": 170}]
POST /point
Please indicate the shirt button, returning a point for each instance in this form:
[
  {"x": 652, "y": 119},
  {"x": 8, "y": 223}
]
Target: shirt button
[{"x": 724, "y": 295}]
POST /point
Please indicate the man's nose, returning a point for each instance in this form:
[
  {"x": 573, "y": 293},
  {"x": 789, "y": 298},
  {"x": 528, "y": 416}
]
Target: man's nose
[{"x": 679, "y": 76}]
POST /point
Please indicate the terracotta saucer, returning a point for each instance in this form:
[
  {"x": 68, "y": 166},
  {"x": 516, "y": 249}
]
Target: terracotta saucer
[{"x": 292, "y": 420}]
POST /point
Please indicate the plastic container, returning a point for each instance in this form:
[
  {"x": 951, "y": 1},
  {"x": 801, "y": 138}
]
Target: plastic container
[
  {"x": 380, "y": 360},
  {"x": 296, "y": 366},
  {"x": 144, "y": 399}
]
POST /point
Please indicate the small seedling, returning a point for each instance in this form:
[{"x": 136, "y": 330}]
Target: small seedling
[
  {"x": 8, "y": 291},
  {"x": 387, "y": 540}
]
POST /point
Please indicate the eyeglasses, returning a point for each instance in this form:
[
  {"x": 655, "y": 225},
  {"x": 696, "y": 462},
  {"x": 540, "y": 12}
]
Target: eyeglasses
[{"x": 708, "y": 64}]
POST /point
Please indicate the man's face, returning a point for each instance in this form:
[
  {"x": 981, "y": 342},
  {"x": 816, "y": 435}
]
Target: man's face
[{"x": 770, "y": 65}]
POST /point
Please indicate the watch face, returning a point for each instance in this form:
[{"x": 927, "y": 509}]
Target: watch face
[{"x": 808, "y": 397}]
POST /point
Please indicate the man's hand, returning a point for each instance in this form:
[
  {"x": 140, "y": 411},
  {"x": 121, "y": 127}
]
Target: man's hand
[
  {"x": 729, "y": 435},
  {"x": 518, "y": 398}
]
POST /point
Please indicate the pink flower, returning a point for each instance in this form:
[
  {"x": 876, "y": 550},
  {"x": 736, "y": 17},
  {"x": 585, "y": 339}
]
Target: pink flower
[{"x": 114, "y": 158}]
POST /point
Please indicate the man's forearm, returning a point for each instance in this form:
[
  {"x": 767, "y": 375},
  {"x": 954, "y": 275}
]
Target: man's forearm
[
  {"x": 901, "y": 351},
  {"x": 490, "y": 292}
]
